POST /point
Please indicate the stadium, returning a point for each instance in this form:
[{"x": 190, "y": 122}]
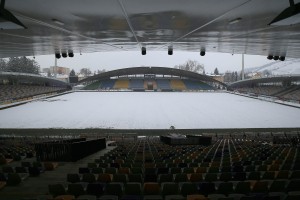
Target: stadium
[{"x": 151, "y": 132}]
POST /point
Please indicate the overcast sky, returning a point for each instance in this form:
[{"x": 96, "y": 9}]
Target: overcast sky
[{"x": 116, "y": 60}]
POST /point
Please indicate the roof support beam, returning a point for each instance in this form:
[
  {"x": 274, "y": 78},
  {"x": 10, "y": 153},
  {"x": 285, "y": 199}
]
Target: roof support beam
[{"x": 128, "y": 22}]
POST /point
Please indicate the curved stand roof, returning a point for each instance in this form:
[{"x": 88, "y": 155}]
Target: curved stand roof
[{"x": 151, "y": 71}]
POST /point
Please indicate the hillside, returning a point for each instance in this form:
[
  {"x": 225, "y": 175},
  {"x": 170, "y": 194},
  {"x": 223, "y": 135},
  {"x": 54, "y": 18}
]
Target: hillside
[{"x": 290, "y": 66}]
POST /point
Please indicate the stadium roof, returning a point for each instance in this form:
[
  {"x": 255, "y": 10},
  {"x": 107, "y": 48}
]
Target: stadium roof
[
  {"x": 272, "y": 79},
  {"x": 75, "y": 26},
  {"x": 151, "y": 71},
  {"x": 31, "y": 77}
]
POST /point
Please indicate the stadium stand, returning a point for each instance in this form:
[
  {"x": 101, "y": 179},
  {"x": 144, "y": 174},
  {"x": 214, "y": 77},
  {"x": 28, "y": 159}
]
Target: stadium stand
[
  {"x": 157, "y": 84},
  {"x": 153, "y": 79},
  {"x": 293, "y": 94},
  {"x": 93, "y": 86},
  {"x": 11, "y": 93},
  {"x": 284, "y": 88},
  {"x": 232, "y": 167},
  {"x": 283, "y": 93},
  {"x": 177, "y": 84},
  {"x": 264, "y": 90},
  {"x": 197, "y": 85},
  {"x": 136, "y": 84},
  {"x": 121, "y": 84},
  {"x": 107, "y": 84},
  {"x": 163, "y": 84}
]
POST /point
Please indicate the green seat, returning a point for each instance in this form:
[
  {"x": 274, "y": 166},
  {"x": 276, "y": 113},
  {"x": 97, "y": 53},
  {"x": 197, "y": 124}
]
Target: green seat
[
  {"x": 110, "y": 170},
  {"x": 188, "y": 188},
  {"x": 56, "y": 189},
  {"x": 136, "y": 170},
  {"x": 88, "y": 177},
  {"x": 242, "y": 187},
  {"x": 213, "y": 170},
  {"x": 135, "y": 178},
  {"x": 114, "y": 189},
  {"x": 254, "y": 176},
  {"x": 8, "y": 169},
  {"x": 225, "y": 188},
  {"x": 133, "y": 189},
  {"x": 295, "y": 174},
  {"x": 169, "y": 188},
  {"x": 210, "y": 177},
  {"x": 225, "y": 176},
  {"x": 180, "y": 177},
  {"x": 277, "y": 186},
  {"x": 175, "y": 170},
  {"x": 120, "y": 178},
  {"x": 76, "y": 189},
  {"x": 165, "y": 178},
  {"x": 188, "y": 170},
  {"x": 269, "y": 175},
  {"x": 97, "y": 170},
  {"x": 13, "y": 179},
  {"x": 73, "y": 178},
  {"x": 92, "y": 165}
]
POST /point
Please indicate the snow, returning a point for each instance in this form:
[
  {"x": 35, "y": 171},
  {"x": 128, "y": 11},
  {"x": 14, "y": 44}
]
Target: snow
[{"x": 149, "y": 110}]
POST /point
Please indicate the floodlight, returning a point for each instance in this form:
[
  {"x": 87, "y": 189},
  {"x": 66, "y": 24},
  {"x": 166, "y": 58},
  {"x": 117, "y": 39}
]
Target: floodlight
[
  {"x": 276, "y": 57},
  {"x": 143, "y": 50},
  {"x": 170, "y": 50},
  {"x": 57, "y": 55},
  {"x": 64, "y": 54},
  {"x": 270, "y": 57},
  {"x": 282, "y": 58},
  {"x": 202, "y": 53},
  {"x": 71, "y": 54}
]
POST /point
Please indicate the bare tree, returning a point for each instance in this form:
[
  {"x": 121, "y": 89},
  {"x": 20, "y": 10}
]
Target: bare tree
[
  {"x": 191, "y": 65},
  {"x": 85, "y": 71}
]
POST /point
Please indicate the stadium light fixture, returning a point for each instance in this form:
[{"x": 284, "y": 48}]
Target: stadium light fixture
[
  {"x": 71, "y": 54},
  {"x": 289, "y": 16},
  {"x": 64, "y": 54},
  {"x": 170, "y": 50},
  {"x": 276, "y": 57},
  {"x": 282, "y": 58},
  {"x": 202, "y": 53},
  {"x": 270, "y": 57},
  {"x": 8, "y": 20},
  {"x": 144, "y": 51},
  {"x": 57, "y": 55}
]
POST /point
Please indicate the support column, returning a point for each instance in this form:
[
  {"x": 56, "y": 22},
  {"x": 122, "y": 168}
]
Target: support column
[{"x": 243, "y": 68}]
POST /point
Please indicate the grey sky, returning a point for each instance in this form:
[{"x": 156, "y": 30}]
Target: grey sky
[{"x": 115, "y": 60}]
